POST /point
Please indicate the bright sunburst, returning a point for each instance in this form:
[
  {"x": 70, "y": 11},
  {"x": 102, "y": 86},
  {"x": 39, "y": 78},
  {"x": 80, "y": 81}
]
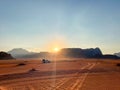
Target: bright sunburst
[{"x": 56, "y": 49}]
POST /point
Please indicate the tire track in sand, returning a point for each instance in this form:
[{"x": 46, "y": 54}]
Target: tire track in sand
[
  {"x": 71, "y": 83},
  {"x": 79, "y": 82},
  {"x": 74, "y": 82}
]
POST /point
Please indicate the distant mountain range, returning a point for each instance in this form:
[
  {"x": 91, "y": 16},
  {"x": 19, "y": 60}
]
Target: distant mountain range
[
  {"x": 22, "y": 53},
  {"x": 19, "y": 52},
  {"x": 65, "y": 52}
]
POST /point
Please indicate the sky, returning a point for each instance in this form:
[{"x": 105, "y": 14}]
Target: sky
[{"x": 41, "y": 25}]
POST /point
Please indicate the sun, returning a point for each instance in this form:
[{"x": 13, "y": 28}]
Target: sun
[{"x": 56, "y": 49}]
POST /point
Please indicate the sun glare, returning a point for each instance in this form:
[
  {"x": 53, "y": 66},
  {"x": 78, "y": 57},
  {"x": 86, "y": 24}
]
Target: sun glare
[{"x": 56, "y": 49}]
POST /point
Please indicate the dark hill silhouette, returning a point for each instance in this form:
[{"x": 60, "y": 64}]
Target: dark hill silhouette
[
  {"x": 5, "y": 56},
  {"x": 109, "y": 56},
  {"x": 81, "y": 53}
]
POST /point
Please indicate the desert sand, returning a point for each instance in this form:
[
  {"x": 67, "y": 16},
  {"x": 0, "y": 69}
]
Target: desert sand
[{"x": 73, "y": 74}]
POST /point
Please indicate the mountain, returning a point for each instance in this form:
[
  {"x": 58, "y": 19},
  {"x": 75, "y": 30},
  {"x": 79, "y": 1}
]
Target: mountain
[
  {"x": 117, "y": 54},
  {"x": 19, "y": 52},
  {"x": 85, "y": 53},
  {"x": 63, "y": 53},
  {"x": 80, "y": 53},
  {"x": 5, "y": 56},
  {"x": 22, "y": 53}
]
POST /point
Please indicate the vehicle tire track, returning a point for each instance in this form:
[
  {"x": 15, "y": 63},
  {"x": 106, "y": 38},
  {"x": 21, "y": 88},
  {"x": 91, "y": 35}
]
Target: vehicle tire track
[
  {"x": 81, "y": 79},
  {"x": 68, "y": 83},
  {"x": 74, "y": 82}
]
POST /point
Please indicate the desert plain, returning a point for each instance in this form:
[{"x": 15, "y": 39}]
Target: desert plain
[{"x": 75, "y": 74}]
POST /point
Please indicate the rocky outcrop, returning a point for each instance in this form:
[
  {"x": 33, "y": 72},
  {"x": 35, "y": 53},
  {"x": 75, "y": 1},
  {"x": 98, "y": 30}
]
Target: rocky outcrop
[
  {"x": 92, "y": 52},
  {"x": 4, "y": 56},
  {"x": 81, "y": 53}
]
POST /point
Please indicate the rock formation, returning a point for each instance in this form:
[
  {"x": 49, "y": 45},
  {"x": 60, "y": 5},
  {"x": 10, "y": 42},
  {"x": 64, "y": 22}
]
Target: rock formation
[
  {"x": 81, "y": 53},
  {"x": 5, "y": 56}
]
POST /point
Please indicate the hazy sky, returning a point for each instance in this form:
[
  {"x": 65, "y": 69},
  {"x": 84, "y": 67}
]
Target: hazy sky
[{"x": 39, "y": 25}]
